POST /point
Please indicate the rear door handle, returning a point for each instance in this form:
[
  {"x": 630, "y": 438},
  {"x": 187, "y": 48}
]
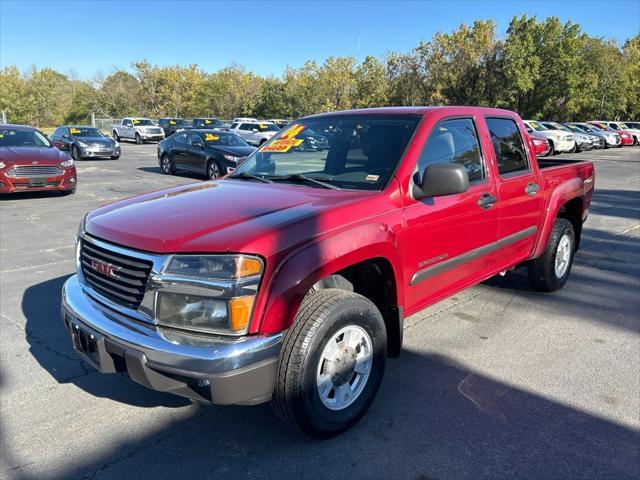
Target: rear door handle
[
  {"x": 486, "y": 200},
  {"x": 532, "y": 189}
]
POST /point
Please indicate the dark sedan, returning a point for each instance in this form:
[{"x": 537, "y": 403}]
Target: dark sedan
[
  {"x": 213, "y": 153},
  {"x": 312, "y": 141},
  {"x": 173, "y": 125},
  {"x": 85, "y": 142},
  {"x": 205, "y": 123}
]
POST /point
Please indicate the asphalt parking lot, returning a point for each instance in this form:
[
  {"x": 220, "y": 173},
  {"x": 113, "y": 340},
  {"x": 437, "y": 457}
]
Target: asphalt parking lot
[{"x": 496, "y": 382}]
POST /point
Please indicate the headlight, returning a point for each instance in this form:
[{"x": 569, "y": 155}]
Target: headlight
[
  {"x": 82, "y": 144},
  {"x": 67, "y": 163},
  {"x": 208, "y": 293},
  {"x": 2, "y": 165},
  {"x": 231, "y": 158}
]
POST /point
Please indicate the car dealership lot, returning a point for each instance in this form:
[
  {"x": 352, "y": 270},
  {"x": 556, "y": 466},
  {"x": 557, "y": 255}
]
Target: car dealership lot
[{"x": 497, "y": 381}]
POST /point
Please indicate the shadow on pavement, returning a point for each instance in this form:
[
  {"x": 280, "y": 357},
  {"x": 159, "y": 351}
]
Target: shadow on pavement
[
  {"x": 433, "y": 419},
  {"x": 616, "y": 203},
  {"x": 180, "y": 173},
  {"x": 50, "y": 345}
]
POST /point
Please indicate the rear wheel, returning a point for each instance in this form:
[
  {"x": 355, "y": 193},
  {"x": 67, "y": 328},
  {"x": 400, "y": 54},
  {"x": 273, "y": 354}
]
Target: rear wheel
[
  {"x": 550, "y": 271},
  {"x": 166, "y": 165},
  {"x": 331, "y": 364}
]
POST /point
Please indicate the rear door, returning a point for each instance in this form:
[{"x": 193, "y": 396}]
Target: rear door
[
  {"x": 519, "y": 203},
  {"x": 448, "y": 238}
]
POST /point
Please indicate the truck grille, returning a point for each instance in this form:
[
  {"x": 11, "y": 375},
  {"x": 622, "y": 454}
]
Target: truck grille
[
  {"x": 119, "y": 278},
  {"x": 34, "y": 171}
]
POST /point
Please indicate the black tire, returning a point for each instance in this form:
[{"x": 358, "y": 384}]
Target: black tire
[
  {"x": 322, "y": 315},
  {"x": 552, "y": 150},
  {"x": 303, "y": 146},
  {"x": 115, "y": 136},
  {"x": 543, "y": 275},
  {"x": 115, "y": 157},
  {"x": 75, "y": 153},
  {"x": 262, "y": 142},
  {"x": 213, "y": 170},
  {"x": 64, "y": 193},
  {"x": 166, "y": 165},
  {"x": 138, "y": 139},
  {"x": 575, "y": 148}
]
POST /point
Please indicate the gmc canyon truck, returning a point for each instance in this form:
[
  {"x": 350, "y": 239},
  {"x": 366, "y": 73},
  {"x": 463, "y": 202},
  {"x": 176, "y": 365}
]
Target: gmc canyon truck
[
  {"x": 138, "y": 129},
  {"x": 288, "y": 280}
]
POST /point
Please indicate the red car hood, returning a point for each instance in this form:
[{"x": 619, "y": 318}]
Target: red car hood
[
  {"x": 225, "y": 216},
  {"x": 31, "y": 156}
]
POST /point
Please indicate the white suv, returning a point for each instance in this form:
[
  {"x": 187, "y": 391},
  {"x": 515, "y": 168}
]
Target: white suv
[{"x": 253, "y": 131}]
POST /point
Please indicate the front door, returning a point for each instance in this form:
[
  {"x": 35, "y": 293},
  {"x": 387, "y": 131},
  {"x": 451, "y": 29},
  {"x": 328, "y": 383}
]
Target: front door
[
  {"x": 196, "y": 158},
  {"x": 449, "y": 238}
]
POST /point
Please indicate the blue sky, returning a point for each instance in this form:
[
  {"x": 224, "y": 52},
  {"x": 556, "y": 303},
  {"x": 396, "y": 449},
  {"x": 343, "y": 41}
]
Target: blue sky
[{"x": 91, "y": 36}]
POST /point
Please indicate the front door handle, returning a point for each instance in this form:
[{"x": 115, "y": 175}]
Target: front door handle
[
  {"x": 486, "y": 200},
  {"x": 532, "y": 189}
]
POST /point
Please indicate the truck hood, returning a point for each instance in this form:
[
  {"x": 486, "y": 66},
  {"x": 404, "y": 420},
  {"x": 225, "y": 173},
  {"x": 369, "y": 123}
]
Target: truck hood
[
  {"x": 224, "y": 216},
  {"x": 32, "y": 156}
]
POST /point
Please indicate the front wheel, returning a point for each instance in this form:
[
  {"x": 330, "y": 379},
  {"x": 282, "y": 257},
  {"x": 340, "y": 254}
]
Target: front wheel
[
  {"x": 138, "y": 139},
  {"x": 75, "y": 153},
  {"x": 552, "y": 150},
  {"x": 115, "y": 157},
  {"x": 550, "y": 271},
  {"x": 115, "y": 136},
  {"x": 331, "y": 363},
  {"x": 213, "y": 170}
]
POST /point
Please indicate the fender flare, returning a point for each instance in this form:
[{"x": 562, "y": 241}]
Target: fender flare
[
  {"x": 299, "y": 271},
  {"x": 563, "y": 193}
]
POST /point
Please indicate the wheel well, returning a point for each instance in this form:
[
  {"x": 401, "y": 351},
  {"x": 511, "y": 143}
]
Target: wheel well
[
  {"x": 375, "y": 280},
  {"x": 572, "y": 211}
]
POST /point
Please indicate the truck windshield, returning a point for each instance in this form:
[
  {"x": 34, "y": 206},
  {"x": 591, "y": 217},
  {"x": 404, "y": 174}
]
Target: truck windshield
[
  {"x": 144, "y": 122},
  {"x": 267, "y": 127},
  {"x": 537, "y": 126},
  {"x": 85, "y": 132},
  {"x": 22, "y": 138},
  {"x": 357, "y": 151}
]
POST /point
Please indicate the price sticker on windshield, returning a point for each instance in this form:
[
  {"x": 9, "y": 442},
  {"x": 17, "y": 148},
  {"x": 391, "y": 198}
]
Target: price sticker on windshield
[
  {"x": 282, "y": 145},
  {"x": 207, "y": 122},
  {"x": 210, "y": 137},
  {"x": 136, "y": 121},
  {"x": 74, "y": 131},
  {"x": 172, "y": 122}
]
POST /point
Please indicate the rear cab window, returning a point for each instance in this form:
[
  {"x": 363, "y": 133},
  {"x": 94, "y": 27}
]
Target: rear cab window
[{"x": 508, "y": 145}]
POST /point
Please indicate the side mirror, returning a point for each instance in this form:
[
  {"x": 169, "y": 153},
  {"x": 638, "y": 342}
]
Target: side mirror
[
  {"x": 66, "y": 135},
  {"x": 442, "y": 179}
]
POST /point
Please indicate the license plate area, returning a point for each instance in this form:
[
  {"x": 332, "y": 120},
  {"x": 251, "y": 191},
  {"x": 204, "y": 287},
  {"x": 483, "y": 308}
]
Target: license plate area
[
  {"x": 38, "y": 181},
  {"x": 85, "y": 343}
]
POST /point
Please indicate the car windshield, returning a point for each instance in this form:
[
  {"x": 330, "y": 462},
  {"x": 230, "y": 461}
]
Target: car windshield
[
  {"x": 585, "y": 128},
  {"x": 551, "y": 126},
  {"x": 207, "y": 121},
  {"x": 537, "y": 126},
  {"x": 144, "y": 122},
  {"x": 223, "y": 139},
  {"x": 22, "y": 138},
  {"x": 85, "y": 132},
  {"x": 177, "y": 121},
  {"x": 362, "y": 153},
  {"x": 562, "y": 127},
  {"x": 267, "y": 127}
]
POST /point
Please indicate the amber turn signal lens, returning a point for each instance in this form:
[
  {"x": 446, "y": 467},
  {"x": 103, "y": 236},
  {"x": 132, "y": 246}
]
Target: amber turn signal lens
[
  {"x": 240, "y": 312},
  {"x": 247, "y": 267}
]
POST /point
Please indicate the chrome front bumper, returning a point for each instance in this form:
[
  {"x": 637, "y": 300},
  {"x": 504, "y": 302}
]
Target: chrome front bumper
[{"x": 222, "y": 371}]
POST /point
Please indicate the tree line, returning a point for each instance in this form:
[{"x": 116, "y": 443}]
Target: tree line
[{"x": 541, "y": 69}]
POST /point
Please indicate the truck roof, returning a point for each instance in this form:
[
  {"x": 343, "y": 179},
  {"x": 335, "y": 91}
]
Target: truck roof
[{"x": 416, "y": 110}]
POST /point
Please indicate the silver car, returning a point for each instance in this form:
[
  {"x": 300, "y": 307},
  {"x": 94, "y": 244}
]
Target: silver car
[
  {"x": 597, "y": 140},
  {"x": 611, "y": 139}
]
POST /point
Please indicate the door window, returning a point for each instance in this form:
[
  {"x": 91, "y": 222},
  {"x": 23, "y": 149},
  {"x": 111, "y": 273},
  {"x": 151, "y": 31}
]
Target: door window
[
  {"x": 195, "y": 140},
  {"x": 181, "y": 138},
  {"x": 247, "y": 126},
  {"x": 508, "y": 145},
  {"x": 453, "y": 141},
  {"x": 127, "y": 123}
]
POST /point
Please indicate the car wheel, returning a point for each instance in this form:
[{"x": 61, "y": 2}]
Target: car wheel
[
  {"x": 213, "y": 170},
  {"x": 331, "y": 363},
  {"x": 75, "y": 153},
  {"x": 575, "y": 148},
  {"x": 138, "y": 139},
  {"x": 552, "y": 150},
  {"x": 115, "y": 136},
  {"x": 115, "y": 157},
  {"x": 550, "y": 271},
  {"x": 262, "y": 142},
  {"x": 166, "y": 165},
  {"x": 64, "y": 193}
]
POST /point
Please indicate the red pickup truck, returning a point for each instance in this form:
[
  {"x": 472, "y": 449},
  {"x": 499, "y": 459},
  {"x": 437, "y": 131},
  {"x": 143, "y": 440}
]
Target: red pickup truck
[{"x": 289, "y": 279}]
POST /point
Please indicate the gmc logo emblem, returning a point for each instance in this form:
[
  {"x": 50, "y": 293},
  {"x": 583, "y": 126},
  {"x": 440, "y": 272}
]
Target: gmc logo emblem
[{"x": 107, "y": 269}]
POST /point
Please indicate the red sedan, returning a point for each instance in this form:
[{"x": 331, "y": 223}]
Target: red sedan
[
  {"x": 541, "y": 145},
  {"x": 29, "y": 162}
]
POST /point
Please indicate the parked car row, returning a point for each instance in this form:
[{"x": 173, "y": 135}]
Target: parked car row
[{"x": 581, "y": 136}]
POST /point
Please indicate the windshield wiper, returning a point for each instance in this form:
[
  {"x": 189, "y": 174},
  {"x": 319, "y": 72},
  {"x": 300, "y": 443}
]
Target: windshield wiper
[
  {"x": 250, "y": 176},
  {"x": 302, "y": 178}
]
